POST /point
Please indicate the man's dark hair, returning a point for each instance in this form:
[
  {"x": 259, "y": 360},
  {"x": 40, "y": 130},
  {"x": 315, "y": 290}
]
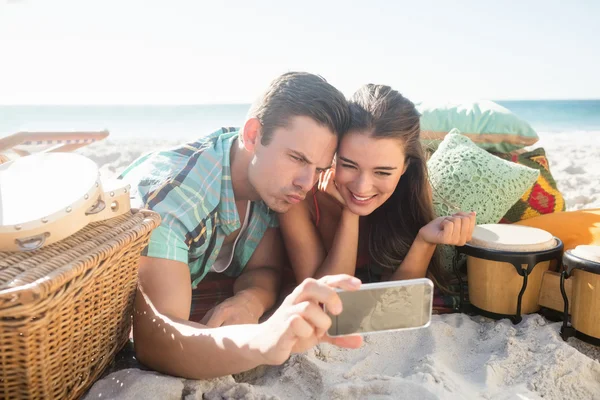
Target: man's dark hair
[{"x": 295, "y": 94}]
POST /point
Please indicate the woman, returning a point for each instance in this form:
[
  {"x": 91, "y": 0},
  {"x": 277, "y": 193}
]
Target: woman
[{"x": 376, "y": 200}]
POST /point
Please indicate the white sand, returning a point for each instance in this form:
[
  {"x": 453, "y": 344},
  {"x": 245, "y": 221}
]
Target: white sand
[
  {"x": 457, "y": 357},
  {"x": 575, "y": 164}
]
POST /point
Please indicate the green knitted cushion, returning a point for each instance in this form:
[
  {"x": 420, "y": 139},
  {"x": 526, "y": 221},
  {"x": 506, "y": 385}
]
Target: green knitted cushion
[
  {"x": 488, "y": 124},
  {"x": 465, "y": 177}
]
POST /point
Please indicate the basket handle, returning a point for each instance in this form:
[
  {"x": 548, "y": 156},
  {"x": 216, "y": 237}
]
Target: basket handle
[
  {"x": 32, "y": 243},
  {"x": 96, "y": 208}
]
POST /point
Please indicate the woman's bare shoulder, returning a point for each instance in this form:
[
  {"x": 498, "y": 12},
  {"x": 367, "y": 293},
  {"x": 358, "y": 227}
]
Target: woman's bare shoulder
[{"x": 328, "y": 204}]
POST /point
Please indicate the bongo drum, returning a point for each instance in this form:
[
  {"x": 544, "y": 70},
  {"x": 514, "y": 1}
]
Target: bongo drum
[
  {"x": 582, "y": 267},
  {"x": 45, "y": 198},
  {"x": 505, "y": 265}
]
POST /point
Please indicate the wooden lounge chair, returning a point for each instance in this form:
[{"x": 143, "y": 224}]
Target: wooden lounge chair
[{"x": 24, "y": 143}]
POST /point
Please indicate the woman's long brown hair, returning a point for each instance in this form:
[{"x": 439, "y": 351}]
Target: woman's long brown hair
[{"x": 381, "y": 112}]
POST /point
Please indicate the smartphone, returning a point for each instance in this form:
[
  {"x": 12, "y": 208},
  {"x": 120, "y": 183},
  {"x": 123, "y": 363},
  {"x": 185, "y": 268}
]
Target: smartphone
[{"x": 384, "y": 307}]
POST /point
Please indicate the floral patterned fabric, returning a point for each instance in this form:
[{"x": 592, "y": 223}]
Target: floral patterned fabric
[{"x": 541, "y": 198}]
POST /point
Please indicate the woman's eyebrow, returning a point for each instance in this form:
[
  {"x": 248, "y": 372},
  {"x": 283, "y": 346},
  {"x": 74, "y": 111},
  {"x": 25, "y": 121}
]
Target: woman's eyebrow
[
  {"x": 344, "y": 159},
  {"x": 386, "y": 168}
]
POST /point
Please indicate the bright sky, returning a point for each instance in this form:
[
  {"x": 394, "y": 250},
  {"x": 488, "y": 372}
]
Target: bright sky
[{"x": 197, "y": 51}]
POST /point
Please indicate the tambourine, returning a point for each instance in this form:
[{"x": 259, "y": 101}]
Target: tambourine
[
  {"x": 116, "y": 199},
  {"x": 47, "y": 197}
]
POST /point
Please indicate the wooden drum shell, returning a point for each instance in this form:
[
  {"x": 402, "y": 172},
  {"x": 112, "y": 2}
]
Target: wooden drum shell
[
  {"x": 584, "y": 304},
  {"x": 585, "y": 315},
  {"x": 494, "y": 286}
]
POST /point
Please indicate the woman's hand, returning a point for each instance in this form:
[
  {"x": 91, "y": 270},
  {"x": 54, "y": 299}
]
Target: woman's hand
[
  {"x": 455, "y": 230},
  {"x": 327, "y": 184}
]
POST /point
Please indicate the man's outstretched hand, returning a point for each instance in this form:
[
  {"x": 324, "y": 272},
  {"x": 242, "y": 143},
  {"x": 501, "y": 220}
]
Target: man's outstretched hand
[
  {"x": 242, "y": 308},
  {"x": 300, "y": 322}
]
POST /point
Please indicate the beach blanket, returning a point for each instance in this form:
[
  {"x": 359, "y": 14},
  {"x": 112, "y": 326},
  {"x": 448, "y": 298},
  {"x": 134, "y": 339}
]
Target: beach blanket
[{"x": 216, "y": 288}]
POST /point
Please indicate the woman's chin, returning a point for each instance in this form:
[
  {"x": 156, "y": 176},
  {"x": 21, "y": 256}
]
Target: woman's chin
[{"x": 360, "y": 210}]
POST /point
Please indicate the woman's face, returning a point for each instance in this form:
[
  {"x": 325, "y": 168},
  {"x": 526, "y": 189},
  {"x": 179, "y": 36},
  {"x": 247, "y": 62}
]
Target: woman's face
[{"x": 368, "y": 170}]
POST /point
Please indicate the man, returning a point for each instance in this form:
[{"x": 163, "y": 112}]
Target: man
[{"x": 218, "y": 198}]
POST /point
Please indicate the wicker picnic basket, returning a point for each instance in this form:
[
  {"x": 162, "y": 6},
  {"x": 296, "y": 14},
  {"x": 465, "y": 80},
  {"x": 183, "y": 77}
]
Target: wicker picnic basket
[{"x": 65, "y": 310}]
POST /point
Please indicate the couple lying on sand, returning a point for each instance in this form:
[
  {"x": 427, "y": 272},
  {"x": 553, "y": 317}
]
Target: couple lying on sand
[{"x": 244, "y": 202}]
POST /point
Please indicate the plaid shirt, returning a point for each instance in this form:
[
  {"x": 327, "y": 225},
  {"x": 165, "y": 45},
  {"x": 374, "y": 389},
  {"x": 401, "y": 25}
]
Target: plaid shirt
[{"x": 190, "y": 187}]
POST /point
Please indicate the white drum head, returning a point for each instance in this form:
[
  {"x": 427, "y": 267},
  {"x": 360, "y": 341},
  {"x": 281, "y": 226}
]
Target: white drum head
[
  {"x": 511, "y": 238},
  {"x": 36, "y": 186},
  {"x": 590, "y": 253}
]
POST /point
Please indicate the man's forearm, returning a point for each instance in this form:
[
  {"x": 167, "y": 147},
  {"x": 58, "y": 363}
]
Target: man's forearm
[
  {"x": 261, "y": 285},
  {"x": 188, "y": 349}
]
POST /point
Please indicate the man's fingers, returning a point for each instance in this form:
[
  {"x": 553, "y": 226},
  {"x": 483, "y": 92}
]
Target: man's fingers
[
  {"x": 341, "y": 281},
  {"x": 300, "y": 328},
  {"x": 216, "y": 319},
  {"x": 315, "y": 316},
  {"x": 322, "y": 291},
  {"x": 349, "y": 342},
  {"x": 214, "y": 322},
  {"x": 317, "y": 292},
  {"x": 207, "y": 316}
]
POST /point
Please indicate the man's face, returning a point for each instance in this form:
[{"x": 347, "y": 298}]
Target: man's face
[{"x": 288, "y": 167}]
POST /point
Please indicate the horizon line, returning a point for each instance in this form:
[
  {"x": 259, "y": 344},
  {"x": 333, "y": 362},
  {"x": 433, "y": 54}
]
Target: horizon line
[{"x": 184, "y": 104}]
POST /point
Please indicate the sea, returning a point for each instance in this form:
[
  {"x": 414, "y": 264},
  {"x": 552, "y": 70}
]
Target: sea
[{"x": 172, "y": 122}]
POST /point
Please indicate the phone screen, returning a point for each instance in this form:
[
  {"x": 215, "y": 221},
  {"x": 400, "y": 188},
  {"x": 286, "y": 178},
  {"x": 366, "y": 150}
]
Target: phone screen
[{"x": 383, "y": 307}]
